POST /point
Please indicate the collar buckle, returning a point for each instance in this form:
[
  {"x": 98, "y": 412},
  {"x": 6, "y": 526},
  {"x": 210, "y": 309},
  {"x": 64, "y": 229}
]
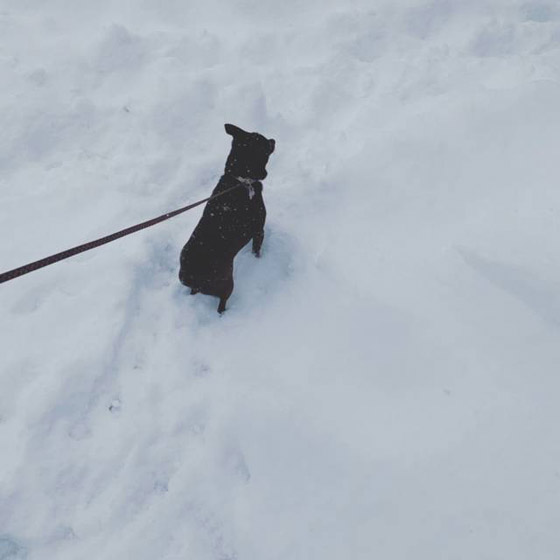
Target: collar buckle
[{"x": 248, "y": 182}]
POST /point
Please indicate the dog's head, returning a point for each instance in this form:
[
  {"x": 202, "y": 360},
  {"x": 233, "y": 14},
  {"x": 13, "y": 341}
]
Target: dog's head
[{"x": 249, "y": 153}]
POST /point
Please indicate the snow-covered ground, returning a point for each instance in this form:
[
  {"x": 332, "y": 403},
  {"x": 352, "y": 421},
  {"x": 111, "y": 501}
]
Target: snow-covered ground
[{"x": 386, "y": 381}]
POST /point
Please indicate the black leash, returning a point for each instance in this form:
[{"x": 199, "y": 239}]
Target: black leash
[{"x": 26, "y": 269}]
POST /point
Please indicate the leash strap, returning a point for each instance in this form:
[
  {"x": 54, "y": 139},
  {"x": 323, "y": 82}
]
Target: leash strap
[{"x": 26, "y": 269}]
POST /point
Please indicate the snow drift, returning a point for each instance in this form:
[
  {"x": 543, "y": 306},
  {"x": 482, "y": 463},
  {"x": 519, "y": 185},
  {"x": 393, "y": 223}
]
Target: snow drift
[{"x": 384, "y": 383}]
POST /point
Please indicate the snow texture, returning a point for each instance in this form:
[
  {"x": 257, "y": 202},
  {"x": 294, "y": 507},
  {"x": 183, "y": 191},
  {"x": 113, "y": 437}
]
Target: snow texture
[{"x": 384, "y": 383}]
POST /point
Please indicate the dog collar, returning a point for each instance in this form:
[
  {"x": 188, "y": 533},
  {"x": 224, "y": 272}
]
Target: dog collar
[{"x": 248, "y": 182}]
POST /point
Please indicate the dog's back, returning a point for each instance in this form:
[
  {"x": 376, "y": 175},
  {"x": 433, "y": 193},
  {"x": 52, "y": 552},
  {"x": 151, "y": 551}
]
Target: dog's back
[{"x": 230, "y": 221}]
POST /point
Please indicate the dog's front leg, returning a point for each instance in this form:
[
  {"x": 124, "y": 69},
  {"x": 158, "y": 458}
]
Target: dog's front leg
[{"x": 258, "y": 239}]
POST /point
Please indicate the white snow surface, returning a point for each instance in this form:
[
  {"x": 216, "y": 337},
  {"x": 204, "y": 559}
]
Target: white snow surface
[{"x": 385, "y": 383}]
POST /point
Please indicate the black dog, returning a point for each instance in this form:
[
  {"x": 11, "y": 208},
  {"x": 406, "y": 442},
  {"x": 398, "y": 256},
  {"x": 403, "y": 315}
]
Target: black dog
[{"x": 230, "y": 221}]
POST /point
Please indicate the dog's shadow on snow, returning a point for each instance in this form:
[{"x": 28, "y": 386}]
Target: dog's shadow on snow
[{"x": 257, "y": 279}]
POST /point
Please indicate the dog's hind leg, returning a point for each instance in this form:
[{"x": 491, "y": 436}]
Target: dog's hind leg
[
  {"x": 258, "y": 239},
  {"x": 226, "y": 289},
  {"x": 222, "y": 305}
]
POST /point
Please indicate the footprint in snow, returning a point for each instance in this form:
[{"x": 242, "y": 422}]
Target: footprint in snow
[{"x": 10, "y": 549}]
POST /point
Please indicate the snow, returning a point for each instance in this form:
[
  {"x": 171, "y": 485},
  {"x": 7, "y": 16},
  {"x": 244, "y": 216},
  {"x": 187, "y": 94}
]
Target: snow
[{"x": 384, "y": 383}]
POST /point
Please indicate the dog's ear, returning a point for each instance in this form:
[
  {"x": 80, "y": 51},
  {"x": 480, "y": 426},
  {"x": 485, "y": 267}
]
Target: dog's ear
[
  {"x": 235, "y": 131},
  {"x": 272, "y": 144}
]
